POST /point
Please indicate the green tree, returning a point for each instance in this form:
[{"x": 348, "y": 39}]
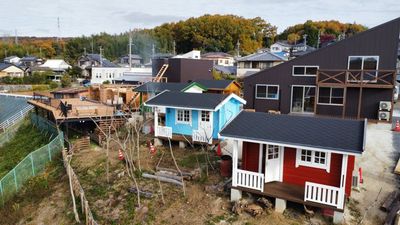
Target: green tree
[{"x": 66, "y": 81}]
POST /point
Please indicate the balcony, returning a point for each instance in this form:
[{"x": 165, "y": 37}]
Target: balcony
[
  {"x": 356, "y": 78},
  {"x": 248, "y": 179},
  {"x": 163, "y": 131}
]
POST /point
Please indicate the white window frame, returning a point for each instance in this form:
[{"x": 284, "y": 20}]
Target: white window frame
[
  {"x": 201, "y": 116},
  {"x": 305, "y": 69},
  {"x": 183, "y": 111},
  {"x": 291, "y": 97},
  {"x": 266, "y": 93},
  {"x": 326, "y": 166},
  {"x": 362, "y": 66},
  {"x": 330, "y": 97}
]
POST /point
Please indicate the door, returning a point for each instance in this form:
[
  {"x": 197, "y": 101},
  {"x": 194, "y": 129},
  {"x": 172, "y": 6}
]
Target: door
[
  {"x": 273, "y": 163},
  {"x": 303, "y": 98},
  {"x": 205, "y": 124}
]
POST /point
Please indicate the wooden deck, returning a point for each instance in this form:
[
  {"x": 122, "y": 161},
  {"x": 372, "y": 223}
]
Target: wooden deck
[
  {"x": 290, "y": 192},
  {"x": 185, "y": 138}
]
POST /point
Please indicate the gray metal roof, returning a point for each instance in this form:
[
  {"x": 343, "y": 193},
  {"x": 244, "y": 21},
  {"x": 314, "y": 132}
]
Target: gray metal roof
[
  {"x": 105, "y": 62},
  {"x": 261, "y": 56},
  {"x": 156, "y": 87},
  {"x": 303, "y": 131},
  {"x": 215, "y": 84},
  {"x": 5, "y": 65},
  {"x": 187, "y": 100},
  {"x": 225, "y": 69}
]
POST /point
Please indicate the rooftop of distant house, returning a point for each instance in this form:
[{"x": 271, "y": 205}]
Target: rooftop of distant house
[
  {"x": 262, "y": 56},
  {"x": 216, "y": 55}
]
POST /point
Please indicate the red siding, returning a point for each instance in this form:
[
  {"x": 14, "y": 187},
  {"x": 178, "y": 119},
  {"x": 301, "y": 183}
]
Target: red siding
[
  {"x": 250, "y": 156},
  {"x": 350, "y": 168},
  {"x": 301, "y": 174}
]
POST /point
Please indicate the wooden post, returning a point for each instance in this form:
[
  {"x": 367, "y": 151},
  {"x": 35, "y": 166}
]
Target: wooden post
[
  {"x": 344, "y": 102},
  {"x": 359, "y": 103},
  {"x": 69, "y": 169},
  {"x": 155, "y": 122}
]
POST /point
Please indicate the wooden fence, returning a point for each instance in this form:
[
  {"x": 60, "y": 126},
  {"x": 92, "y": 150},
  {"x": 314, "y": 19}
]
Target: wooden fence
[{"x": 77, "y": 190}]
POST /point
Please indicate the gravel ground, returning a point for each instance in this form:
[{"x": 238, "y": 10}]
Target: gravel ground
[{"x": 377, "y": 162}]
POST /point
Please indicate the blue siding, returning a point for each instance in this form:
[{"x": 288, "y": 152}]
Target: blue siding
[
  {"x": 226, "y": 113},
  {"x": 180, "y": 128}
]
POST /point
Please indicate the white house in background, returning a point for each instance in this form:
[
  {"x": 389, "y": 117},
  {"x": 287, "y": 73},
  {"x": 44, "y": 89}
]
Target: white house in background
[
  {"x": 103, "y": 74},
  {"x": 56, "y": 65},
  {"x": 12, "y": 59},
  {"x": 219, "y": 58},
  {"x": 10, "y": 70},
  {"x": 256, "y": 62},
  {"x": 194, "y": 54}
]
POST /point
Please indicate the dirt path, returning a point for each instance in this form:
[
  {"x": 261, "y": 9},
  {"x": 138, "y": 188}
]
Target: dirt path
[{"x": 377, "y": 163}]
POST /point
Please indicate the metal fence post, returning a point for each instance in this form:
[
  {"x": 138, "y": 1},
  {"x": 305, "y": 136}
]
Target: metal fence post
[
  {"x": 2, "y": 195},
  {"x": 48, "y": 149},
  {"x": 15, "y": 180},
  {"x": 33, "y": 166}
]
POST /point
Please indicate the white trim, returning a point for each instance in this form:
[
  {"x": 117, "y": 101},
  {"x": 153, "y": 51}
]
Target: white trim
[
  {"x": 305, "y": 69},
  {"x": 266, "y": 91},
  {"x": 282, "y": 155},
  {"x": 260, "y": 156},
  {"x": 183, "y": 122},
  {"x": 288, "y": 145},
  {"x": 291, "y": 97},
  {"x": 365, "y": 133},
  {"x": 330, "y": 97},
  {"x": 241, "y": 100},
  {"x": 300, "y": 162}
]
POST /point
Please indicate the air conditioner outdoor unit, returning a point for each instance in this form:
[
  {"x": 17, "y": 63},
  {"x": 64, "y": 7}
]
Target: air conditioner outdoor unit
[
  {"x": 384, "y": 115},
  {"x": 385, "y": 105}
]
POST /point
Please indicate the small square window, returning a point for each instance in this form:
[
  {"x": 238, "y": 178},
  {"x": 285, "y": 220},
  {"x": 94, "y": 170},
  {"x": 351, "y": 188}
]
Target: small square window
[{"x": 306, "y": 155}]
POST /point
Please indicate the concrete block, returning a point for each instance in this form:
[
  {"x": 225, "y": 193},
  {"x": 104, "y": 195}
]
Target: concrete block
[
  {"x": 338, "y": 217},
  {"x": 280, "y": 205},
  {"x": 158, "y": 142},
  {"x": 182, "y": 144},
  {"x": 236, "y": 195}
]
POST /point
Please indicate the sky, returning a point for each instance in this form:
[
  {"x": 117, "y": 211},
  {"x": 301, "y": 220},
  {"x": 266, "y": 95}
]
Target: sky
[{"x": 86, "y": 17}]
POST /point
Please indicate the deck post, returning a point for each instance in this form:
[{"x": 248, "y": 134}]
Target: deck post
[
  {"x": 260, "y": 158},
  {"x": 235, "y": 159},
  {"x": 343, "y": 182},
  {"x": 155, "y": 122}
]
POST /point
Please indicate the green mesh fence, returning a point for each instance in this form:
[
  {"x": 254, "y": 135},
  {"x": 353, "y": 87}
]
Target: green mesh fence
[
  {"x": 34, "y": 163},
  {"x": 9, "y": 133}
]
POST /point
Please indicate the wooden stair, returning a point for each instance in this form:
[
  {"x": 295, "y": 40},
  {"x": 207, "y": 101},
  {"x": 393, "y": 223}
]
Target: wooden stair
[
  {"x": 161, "y": 73},
  {"x": 105, "y": 126}
]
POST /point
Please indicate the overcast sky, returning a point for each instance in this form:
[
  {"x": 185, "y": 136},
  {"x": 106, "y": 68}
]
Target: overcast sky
[{"x": 85, "y": 17}]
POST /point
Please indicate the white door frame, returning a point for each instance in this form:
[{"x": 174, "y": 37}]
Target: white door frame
[
  {"x": 210, "y": 123},
  {"x": 281, "y": 160},
  {"x": 291, "y": 97}
]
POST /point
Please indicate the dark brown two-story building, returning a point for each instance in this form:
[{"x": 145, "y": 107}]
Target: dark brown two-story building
[{"x": 352, "y": 78}]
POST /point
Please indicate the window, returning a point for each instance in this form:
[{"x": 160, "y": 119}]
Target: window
[
  {"x": 264, "y": 91},
  {"x": 305, "y": 70},
  {"x": 273, "y": 152},
  {"x": 331, "y": 96},
  {"x": 317, "y": 159},
  {"x": 205, "y": 116},
  {"x": 368, "y": 63},
  {"x": 183, "y": 116}
]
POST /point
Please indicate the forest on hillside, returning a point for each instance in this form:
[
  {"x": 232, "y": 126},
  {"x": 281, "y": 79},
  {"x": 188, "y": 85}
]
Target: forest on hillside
[{"x": 208, "y": 33}]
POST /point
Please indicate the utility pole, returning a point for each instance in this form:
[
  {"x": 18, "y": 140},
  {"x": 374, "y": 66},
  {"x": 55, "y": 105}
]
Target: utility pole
[
  {"x": 5, "y": 53},
  {"x": 91, "y": 44},
  {"x": 174, "y": 47},
  {"x": 153, "y": 50},
  {"x": 305, "y": 40},
  {"x": 58, "y": 29},
  {"x": 130, "y": 50},
  {"x": 16, "y": 37},
  {"x": 40, "y": 52},
  {"x": 101, "y": 53},
  {"x": 84, "y": 51},
  {"x": 318, "y": 40},
  {"x": 238, "y": 48}
]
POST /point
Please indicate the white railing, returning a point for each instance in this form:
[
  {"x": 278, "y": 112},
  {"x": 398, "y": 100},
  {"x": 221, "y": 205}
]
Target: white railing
[
  {"x": 201, "y": 136},
  {"x": 324, "y": 194},
  {"x": 16, "y": 95},
  {"x": 163, "y": 131},
  {"x": 15, "y": 118},
  {"x": 249, "y": 179}
]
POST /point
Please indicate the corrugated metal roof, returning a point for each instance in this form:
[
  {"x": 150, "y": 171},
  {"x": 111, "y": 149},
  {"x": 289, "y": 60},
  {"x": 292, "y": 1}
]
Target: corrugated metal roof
[
  {"x": 303, "y": 131},
  {"x": 187, "y": 100},
  {"x": 215, "y": 84}
]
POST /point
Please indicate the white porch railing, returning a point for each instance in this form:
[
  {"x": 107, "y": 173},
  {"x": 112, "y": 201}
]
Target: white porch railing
[
  {"x": 201, "y": 136},
  {"x": 324, "y": 194},
  {"x": 163, "y": 131},
  {"x": 249, "y": 179}
]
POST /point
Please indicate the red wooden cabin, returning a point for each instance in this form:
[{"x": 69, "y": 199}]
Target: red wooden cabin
[{"x": 307, "y": 160}]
